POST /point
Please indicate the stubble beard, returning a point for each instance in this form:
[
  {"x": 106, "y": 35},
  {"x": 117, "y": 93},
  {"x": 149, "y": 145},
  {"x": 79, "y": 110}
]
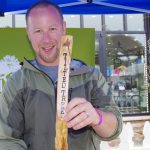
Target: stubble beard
[{"x": 51, "y": 58}]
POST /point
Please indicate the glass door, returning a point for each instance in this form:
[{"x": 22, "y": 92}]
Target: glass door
[{"x": 127, "y": 71}]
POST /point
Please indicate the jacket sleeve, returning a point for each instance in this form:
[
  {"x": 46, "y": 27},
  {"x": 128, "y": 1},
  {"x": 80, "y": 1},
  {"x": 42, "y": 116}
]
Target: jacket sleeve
[
  {"x": 9, "y": 140},
  {"x": 102, "y": 98}
]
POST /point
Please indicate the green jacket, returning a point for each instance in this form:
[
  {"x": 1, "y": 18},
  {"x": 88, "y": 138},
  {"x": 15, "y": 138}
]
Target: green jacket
[{"x": 28, "y": 109}]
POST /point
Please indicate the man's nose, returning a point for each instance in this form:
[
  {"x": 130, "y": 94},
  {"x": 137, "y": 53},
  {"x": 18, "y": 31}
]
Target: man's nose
[{"x": 46, "y": 37}]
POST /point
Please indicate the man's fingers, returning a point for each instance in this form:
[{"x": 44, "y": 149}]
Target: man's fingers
[
  {"x": 75, "y": 111},
  {"x": 81, "y": 117},
  {"x": 80, "y": 113},
  {"x": 74, "y": 102},
  {"x": 82, "y": 124}
]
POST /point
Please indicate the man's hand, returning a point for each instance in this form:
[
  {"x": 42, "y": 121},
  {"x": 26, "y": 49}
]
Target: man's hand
[{"x": 80, "y": 113}]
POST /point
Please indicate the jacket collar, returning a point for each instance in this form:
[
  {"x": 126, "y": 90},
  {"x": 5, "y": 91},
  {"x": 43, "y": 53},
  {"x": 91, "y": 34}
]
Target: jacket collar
[{"x": 77, "y": 67}]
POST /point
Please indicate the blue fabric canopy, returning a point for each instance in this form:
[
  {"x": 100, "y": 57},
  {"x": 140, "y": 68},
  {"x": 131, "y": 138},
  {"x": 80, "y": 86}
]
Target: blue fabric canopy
[{"x": 83, "y": 6}]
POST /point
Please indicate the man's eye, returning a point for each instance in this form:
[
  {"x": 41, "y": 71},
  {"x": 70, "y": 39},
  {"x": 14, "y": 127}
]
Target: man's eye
[
  {"x": 37, "y": 31},
  {"x": 53, "y": 29}
]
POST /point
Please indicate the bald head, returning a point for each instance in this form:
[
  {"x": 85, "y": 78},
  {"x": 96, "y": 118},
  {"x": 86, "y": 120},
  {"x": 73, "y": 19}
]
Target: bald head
[{"x": 41, "y": 5}]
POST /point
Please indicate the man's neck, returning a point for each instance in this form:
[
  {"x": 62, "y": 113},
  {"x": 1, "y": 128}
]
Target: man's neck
[{"x": 47, "y": 64}]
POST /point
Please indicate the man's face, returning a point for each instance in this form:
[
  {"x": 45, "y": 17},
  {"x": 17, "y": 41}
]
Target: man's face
[{"x": 45, "y": 28}]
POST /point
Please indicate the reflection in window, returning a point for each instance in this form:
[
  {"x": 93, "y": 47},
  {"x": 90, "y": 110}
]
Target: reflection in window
[
  {"x": 6, "y": 21},
  {"x": 114, "y": 22},
  {"x": 126, "y": 72},
  {"x": 72, "y": 21},
  {"x": 20, "y": 21},
  {"x": 92, "y": 21},
  {"x": 139, "y": 38},
  {"x": 135, "y": 22}
]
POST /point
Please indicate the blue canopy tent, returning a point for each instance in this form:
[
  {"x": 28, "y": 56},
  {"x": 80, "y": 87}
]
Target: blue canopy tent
[{"x": 82, "y": 6}]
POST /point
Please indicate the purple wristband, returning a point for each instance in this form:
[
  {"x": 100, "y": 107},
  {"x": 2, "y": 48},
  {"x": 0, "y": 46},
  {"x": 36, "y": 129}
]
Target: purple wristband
[{"x": 100, "y": 117}]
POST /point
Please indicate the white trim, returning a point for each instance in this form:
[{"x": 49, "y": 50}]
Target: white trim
[
  {"x": 136, "y": 118},
  {"x": 16, "y": 12}
]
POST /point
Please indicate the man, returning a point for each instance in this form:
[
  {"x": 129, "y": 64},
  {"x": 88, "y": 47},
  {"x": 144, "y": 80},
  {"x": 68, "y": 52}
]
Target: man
[{"x": 28, "y": 101}]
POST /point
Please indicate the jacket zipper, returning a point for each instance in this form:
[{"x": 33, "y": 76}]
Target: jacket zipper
[
  {"x": 55, "y": 89},
  {"x": 54, "y": 83}
]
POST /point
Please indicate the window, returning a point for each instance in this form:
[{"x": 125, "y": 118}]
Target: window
[
  {"x": 72, "y": 21},
  {"x": 92, "y": 21},
  {"x": 135, "y": 22},
  {"x": 126, "y": 71},
  {"x": 6, "y": 21},
  {"x": 114, "y": 22},
  {"x": 20, "y": 21}
]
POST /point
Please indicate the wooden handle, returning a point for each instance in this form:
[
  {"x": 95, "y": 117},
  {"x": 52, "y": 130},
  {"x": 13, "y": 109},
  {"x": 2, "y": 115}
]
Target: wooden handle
[{"x": 62, "y": 92}]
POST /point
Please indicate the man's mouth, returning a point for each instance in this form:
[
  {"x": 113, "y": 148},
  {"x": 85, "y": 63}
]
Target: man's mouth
[{"x": 48, "y": 49}]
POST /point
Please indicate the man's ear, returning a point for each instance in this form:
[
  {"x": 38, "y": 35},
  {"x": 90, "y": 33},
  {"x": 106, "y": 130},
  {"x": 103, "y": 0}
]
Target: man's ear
[
  {"x": 27, "y": 31},
  {"x": 64, "y": 27}
]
